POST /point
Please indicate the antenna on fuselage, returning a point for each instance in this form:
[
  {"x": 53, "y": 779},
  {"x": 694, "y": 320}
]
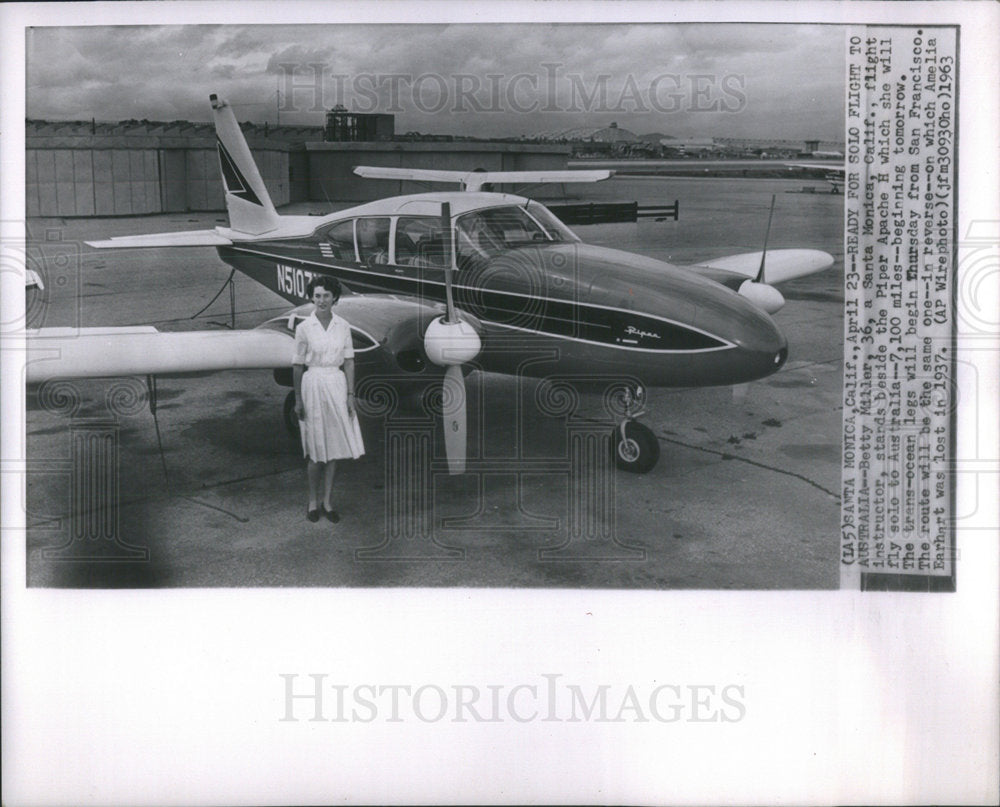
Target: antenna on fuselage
[
  {"x": 767, "y": 235},
  {"x": 326, "y": 195}
]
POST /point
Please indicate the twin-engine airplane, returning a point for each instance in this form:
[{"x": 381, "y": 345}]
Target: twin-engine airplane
[{"x": 457, "y": 279}]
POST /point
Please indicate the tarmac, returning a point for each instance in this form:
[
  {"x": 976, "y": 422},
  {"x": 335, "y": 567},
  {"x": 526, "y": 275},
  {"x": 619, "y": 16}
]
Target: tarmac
[{"x": 212, "y": 492}]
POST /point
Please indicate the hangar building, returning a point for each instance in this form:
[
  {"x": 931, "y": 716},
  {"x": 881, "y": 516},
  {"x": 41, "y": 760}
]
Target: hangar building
[{"x": 86, "y": 168}]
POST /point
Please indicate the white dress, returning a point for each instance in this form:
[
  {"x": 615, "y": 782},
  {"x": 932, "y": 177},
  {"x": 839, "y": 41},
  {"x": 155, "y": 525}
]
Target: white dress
[{"x": 328, "y": 432}]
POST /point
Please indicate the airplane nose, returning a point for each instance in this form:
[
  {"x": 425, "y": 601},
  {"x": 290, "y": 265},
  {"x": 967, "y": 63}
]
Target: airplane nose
[{"x": 762, "y": 356}]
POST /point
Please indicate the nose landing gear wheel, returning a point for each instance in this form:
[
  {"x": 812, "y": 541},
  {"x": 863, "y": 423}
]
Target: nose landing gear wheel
[
  {"x": 289, "y": 416},
  {"x": 637, "y": 451}
]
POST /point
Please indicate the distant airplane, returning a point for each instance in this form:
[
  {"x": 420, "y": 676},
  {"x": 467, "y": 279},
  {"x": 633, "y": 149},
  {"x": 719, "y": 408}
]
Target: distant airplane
[
  {"x": 832, "y": 173},
  {"x": 464, "y": 278}
]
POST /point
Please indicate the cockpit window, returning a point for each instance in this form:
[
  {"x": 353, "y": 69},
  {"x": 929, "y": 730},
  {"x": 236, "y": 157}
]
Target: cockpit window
[
  {"x": 340, "y": 240},
  {"x": 485, "y": 233},
  {"x": 554, "y": 228},
  {"x": 421, "y": 241},
  {"x": 373, "y": 240}
]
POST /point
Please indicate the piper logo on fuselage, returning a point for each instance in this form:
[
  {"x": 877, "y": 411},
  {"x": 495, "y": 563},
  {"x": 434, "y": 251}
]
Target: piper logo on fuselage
[
  {"x": 631, "y": 330},
  {"x": 293, "y": 280}
]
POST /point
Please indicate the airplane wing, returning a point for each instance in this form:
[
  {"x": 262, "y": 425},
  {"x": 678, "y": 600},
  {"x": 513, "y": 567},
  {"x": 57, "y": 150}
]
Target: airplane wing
[
  {"x": 833, "y": 168},
  {"x": 142, "y": 350},
  {"x": 399, "y": 341},
  {"x": 183, "y": 238},
  {"x": 389, "y": 334},
  {"x": 739, "y": 273},
  {"x": 781, "y": 265},
  {"x": 474, "y": 180}
]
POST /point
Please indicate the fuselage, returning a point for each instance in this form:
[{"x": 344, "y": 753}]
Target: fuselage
[{"x": 547, "y": 304}]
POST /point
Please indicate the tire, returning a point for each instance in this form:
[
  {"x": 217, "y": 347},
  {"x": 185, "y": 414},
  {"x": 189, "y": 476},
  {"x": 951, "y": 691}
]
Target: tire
[
  {"x": 639, "y": 452},
  {"x": 289, "y": 416}
]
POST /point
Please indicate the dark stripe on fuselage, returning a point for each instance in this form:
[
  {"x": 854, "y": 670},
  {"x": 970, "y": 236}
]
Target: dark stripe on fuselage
[{"x": 567, "y": 319}]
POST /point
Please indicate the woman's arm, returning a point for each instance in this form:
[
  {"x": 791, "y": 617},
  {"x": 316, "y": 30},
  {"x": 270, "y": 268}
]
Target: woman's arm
[
  {"x": 349, "y": 374},
  {"x": 300, "y": 410},
  {"x": 299, "y": 360}
]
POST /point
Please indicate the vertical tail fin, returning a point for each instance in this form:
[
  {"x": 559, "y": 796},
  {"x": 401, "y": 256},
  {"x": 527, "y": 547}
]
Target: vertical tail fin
[{"x": 250, "y": 208}]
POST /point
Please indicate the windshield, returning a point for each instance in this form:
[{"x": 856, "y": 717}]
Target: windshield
[
  {"x": 485, "y": 233},
  {"x": 556, "y": 230}
]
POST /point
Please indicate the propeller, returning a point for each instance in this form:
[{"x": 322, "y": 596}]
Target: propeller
[
  {"x": 450, "y": 342},
  {"x": 767, "y": 235},
  {"x": 758, "y": 291}
]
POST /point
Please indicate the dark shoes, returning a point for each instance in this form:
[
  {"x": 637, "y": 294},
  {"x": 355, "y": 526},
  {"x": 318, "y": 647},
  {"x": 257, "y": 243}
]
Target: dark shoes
[{"x": 331, "y": 515}]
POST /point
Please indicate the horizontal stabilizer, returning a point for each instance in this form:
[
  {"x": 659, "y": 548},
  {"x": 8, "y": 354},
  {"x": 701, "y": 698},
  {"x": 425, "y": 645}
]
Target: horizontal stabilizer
[
  {"x": 184, "y": 238},
  {"x": 474, "y": 180},
  {"x": 781, "y": 264},
  {"x": 111, "y": 352}
]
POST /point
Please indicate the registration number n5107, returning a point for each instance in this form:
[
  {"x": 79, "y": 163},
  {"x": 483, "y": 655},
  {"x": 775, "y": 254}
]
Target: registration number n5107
[{"x": 293, "y": 280}]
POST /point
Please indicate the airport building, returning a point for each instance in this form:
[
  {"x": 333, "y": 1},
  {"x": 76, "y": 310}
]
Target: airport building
[
  {"x": 129, "y": 168},
  {"x": 139, "y": 167}
]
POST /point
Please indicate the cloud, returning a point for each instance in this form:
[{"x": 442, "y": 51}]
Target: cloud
[{"x": 528, "y": 76}]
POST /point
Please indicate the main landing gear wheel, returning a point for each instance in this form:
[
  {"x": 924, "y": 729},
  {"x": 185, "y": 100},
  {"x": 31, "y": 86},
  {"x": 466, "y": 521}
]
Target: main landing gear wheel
[
  {"x": 289, "y": 416},
  {"x": 634, "y": 447}
]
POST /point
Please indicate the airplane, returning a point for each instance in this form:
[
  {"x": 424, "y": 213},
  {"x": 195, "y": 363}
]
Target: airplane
[
  {"x": 443, "y": 281},
  {"x": 832, "y": 172}
]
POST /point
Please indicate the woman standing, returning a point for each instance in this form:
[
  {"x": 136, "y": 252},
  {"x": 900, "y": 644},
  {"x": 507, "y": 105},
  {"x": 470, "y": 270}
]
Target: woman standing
[{"x": 324, "y": 394}]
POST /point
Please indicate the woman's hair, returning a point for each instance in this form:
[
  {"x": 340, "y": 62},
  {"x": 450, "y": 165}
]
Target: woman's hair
[{"x": 331, "y": 284}]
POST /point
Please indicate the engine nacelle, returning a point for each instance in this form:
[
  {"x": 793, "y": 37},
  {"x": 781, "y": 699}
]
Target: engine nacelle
[
  {"x": 451, "y": 343},
  {"x": 765, "y": 297}
]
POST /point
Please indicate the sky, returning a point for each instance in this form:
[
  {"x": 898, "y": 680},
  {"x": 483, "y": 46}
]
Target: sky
[{"x": 696, "y": 80}]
